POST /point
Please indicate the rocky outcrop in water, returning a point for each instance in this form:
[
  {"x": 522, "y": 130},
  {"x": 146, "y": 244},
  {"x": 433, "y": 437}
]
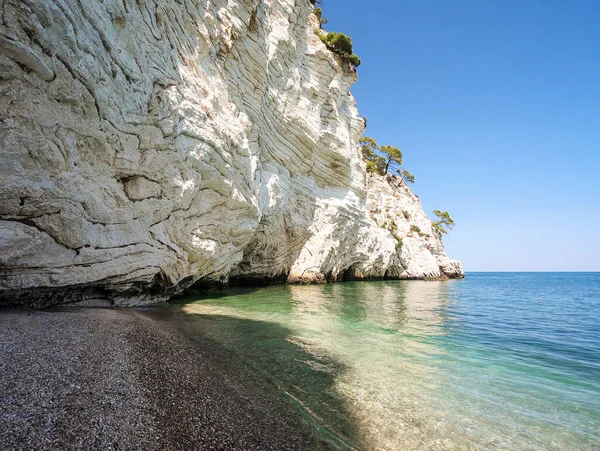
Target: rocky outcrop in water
[{"x": 148, "y": 146}]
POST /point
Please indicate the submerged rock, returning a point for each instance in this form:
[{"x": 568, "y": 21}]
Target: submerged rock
[{"x": 153, "y": 145}]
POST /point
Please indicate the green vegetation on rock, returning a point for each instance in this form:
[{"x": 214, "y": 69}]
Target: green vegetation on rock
[
  {"x": 341, "y": 45},
  {"x": 319, "y": 13},
  {"x": 338, "y": 43},
  {"x": 399, "y": 242},
  {"x": 393, "y": 158},
  {"x": 368, "y": 147},
  {"x": 444, "y": 222},
  {"x": 407, "y": 177},
  {"x": 390, "y": 163}
]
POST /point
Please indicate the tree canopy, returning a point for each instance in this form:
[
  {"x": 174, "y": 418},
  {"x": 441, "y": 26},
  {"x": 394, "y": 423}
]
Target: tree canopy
[
  {"x": 393, "y": 157},
  {"x": 368, "y": 147},
  {"x": 407, "y": 177},
  {"x": 390, "y": 162},
  {"x": 444, "y": 222}
]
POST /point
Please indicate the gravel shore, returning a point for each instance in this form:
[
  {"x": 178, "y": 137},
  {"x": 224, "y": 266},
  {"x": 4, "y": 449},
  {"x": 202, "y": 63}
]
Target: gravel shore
[{"x": 123, "y": 379}]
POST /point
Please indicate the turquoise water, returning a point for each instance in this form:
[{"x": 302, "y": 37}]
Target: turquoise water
[{"x": 495, "y": 361}]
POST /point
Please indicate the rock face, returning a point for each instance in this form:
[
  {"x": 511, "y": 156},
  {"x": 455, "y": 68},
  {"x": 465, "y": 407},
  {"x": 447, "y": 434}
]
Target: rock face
[
  {"x": 147, "y": 146},
  {"x": 392, "y": 205}
]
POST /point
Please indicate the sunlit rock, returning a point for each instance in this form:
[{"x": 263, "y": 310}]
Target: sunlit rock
[{"x": 151, "y": 145}]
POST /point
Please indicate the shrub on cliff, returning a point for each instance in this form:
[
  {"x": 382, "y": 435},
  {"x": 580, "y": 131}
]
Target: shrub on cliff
[
  {"x": 399, "y": 242},
  {"x": 341, "y": 45},
  {"x": 376, "y": 165},
  {"x": 353, "y": 60},
  {"x": 319, "y": 13}
]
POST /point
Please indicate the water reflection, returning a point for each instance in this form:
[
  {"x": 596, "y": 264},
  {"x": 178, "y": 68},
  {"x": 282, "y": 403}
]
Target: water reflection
[
  {"x": 473, "y": 364},
  {"x": 384, "y": 334},
  {"x": 373, "y": 342},
  {"x": 283, "y": 361}
]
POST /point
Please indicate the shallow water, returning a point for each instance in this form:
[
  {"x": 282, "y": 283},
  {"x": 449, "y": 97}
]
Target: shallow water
[{"x": 495, "y": 361}]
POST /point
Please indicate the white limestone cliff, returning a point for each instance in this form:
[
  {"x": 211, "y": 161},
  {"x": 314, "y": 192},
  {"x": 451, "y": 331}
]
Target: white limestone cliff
[
  {"x": 147, "y": 146},
  {"x": 392, "y": 205}
]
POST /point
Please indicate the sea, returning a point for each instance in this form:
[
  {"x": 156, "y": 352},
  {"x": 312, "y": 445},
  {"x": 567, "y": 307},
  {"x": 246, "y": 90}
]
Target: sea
[{"x": 495, "y": 361}]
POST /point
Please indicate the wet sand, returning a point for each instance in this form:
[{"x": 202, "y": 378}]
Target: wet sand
[{"x": 125, "y": 379}]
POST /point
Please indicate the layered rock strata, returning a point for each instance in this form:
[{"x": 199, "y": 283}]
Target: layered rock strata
[{"x": 151, "y": 145}]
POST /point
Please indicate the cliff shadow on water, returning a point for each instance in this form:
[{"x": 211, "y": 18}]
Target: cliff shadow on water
[
  {"x": 335, "y": 352},
  {"x": 268, "y": 355}
]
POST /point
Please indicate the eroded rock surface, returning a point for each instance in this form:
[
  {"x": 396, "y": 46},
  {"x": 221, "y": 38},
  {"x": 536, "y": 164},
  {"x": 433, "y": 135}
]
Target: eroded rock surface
[
  {"x": 149, "y": 145},
  {"x": 393, "y": 206}
]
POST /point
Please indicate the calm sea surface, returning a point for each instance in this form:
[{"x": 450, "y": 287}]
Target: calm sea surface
[{"x": 495, "y": 361}]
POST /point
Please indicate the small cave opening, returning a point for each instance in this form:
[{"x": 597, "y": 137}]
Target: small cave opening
[
  {"x": 349, "y": 274},
  {"x": 250, "y": 280}
]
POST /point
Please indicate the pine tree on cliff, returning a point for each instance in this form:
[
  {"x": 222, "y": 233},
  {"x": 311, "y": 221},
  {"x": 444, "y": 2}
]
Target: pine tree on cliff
[
  {"x": 391, "y": 163},
  {"x": 393, "y": 158},
  {"x": 444, "y": 222}
]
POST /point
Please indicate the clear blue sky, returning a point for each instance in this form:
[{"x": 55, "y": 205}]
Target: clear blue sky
[{"x": 496, "y": 107}]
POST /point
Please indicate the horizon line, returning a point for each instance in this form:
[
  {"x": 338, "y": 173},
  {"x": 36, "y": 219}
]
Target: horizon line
[{"x": 535, "y": 271}]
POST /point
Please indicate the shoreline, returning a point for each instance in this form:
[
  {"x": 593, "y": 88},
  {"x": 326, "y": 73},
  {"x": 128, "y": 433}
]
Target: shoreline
[
  {"x": 93, "y": 296},
  {"x": 129, "y": 379}
]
